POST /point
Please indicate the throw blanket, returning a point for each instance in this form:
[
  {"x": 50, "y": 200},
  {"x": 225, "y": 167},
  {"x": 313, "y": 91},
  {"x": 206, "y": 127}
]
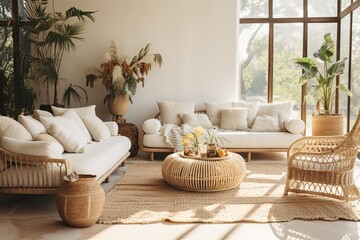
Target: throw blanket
[{"x": 173, "y": 134}]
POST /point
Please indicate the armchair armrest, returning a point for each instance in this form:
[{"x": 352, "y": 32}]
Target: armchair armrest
[
  {"x": 113, "y": 127},
  {"x": 151, "y": 126}
]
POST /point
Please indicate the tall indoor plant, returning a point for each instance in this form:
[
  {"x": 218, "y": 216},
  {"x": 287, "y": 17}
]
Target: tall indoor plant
[
  {"x": 52, "y": 34},
  {"x": 121, "y": 76},
  {"x": 323, "y": 81}
]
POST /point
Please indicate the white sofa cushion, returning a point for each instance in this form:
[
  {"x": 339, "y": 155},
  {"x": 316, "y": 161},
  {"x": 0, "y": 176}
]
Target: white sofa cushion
[
  {"x": 253, "y": 108},
  {"x": 213, "y": 110},
  {"x": 151, "y": 126},
  {"x": 33, "y": 126},
  {"x": 67, "y": 138},
  {"x": 37, "y": 113},
  {"x": 113, "y": 127},
  {"x": 169, "y": 111},
  {"x": 49, "y": 138},
  {"x": 266, "y": 123},
  {"x": 96, "y": 127},
  {"x": 79, "y": 111},
  {"x": 295, "y": 125},
  {"x": 234, "y": 119},
  {"x": 71, "y": 114},
  {"x": 13, "y": 129},
  {"x": 283, "y": 109},
  {"x": 32, "y": 148},
  {"x": 196, "y": 119}
]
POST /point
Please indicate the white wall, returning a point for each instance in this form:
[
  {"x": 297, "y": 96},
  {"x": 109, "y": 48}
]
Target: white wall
[{"x": 197, "y": 39}]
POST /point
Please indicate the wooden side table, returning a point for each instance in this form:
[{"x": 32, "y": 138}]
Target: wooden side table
[{"x": 131, "y": 131}]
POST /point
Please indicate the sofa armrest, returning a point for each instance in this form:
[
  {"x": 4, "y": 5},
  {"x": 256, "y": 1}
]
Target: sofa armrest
[
  {"x": 151, "y": 126},
  {"x": 113, "y": 128},
  {"x": 295, "y": 125}
]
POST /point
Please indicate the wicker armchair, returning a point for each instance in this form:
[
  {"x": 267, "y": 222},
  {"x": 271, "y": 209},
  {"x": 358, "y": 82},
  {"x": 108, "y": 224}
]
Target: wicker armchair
[{"x": 324, "y": 165}]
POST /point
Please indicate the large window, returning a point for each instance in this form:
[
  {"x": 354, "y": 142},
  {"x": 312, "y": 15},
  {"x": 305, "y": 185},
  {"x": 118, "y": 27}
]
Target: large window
[{"x": 274, "y": 32}]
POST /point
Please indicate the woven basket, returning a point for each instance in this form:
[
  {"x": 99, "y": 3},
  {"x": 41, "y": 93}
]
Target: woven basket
[{"x": 80, "y": 203}]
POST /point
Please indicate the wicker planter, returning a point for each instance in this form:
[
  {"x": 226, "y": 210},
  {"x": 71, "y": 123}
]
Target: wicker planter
[
  {"x": 80, "y": 203},
  {"x": 327, "y": 125},
  {"x": 120, "y": 106}
]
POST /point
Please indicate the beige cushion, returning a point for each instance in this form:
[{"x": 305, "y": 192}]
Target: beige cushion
[
  {"x": 196, "y": 119},
  {"x": 151, "y": 126},
  {"x": 13, "y": 129},
  {"x": 32, "y": 148},
  {"x": 213, "y": 110},
  {"x": 253, "y": 108},
  {"x": 67, "y": 138},
  {"x": 295, "y": 125},
  {"x": 80, "y": 111},
  {"x": 75, "y": 117},
  {"x": 234, "y": 119},
  {"x": 266, "y": 123},
  {"x": 37, "y": 113},
  {"x": 33, "y": 126},
  {"x": 96, "y": 127},
  {"x": 169, "y": 111},
  {"x": 49, "y": 138},
  {"x": 113, "y": 128},
  {"x": 66, "y": 123},
  {"x": 283, "y": 109}
]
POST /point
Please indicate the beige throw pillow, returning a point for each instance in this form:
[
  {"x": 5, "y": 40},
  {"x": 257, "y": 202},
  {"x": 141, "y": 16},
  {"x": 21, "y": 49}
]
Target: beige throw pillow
[
  {"x": 13, "y": 129},
  {"x": 71, "y": 114},
  {"x": 234, "y": 119},
  {"x": 213, "y": 110},
  {"x": 47, "y": 137},
  {"x": 196, "y": 119},
  {"x": 67, "y": 138},
  {"x": 266, "y": 123},
  {"x": 37, "y": 113},
  {"x": 79, "y": 111},
  {"x": 169, "y": 111},
  {"x": 253, "y": 109},
  {"x": 96, "y": 127},
  {"x": 33, "y": 126},
  {"x": 283, "y": 109}
]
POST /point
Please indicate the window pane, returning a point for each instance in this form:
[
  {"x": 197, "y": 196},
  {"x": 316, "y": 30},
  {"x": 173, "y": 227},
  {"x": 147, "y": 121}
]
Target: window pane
[
  {"x": 287, "y": 46},
  {"x": 253, "y": 61},
  {"x": 344, "y": 53},
  {"x": 254, "y": 8},
  {"x": 322, "y": 8},
  {"x": 5, "y": 10},
  {"x": 355, "y": 68},
  {"x": 315, "y": 39},
  {"x": 345, "y": 4},
  {"x": 286, "y": 8}
]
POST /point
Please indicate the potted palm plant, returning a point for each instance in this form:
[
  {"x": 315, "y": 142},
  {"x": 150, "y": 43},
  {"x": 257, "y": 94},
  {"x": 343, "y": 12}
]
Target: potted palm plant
[
  {"x": 323, "y": 87},
  {"x": 121, "y": 77},
  {"x": 52, "y": 34}
]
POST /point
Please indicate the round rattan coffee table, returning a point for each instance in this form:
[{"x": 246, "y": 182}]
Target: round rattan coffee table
[{"x": 203, "y": 174}]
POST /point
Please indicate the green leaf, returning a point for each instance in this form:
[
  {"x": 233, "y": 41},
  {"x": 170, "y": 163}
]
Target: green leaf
[
  {"x": 337, "y": 68},
  {"x": 81, "y": 15},
  {"x": 345, "y": 90}
]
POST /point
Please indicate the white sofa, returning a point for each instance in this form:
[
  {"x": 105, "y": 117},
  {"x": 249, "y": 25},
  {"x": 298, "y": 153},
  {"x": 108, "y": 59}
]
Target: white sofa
[
  {"x": 32, "y": 162},
  {"x": 256, "y": 134}
]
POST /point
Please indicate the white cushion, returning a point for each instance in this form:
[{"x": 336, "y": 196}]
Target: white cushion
[
  {"x": 96, "y": 127},
  {"x": 213, "y": 111},
  {"x": 151, "y": 126},
  {"x": 169, "y": 111},
  {"x": 13, "y": 129},
  {"x": 32, "y": 148},
  {"x": 49, "y": 138},
  {"x": 295, "y": 125},
  {"x": 67, "y": 138},
  {"x": 234, "y": 119},
  {"x": 253, "y": 108},
  {"x": 196, "y": 119},
  {"x": 79, "y": 111},
  {"x": 284, "y": 109},
  {"x": 33, "y": 126},
  {"x": 113, "y": 127},
  {"x": 75, "y": 117},
  {"x": 37, "y": 113},
  {"x": 66, "y": 123},
  {"x": 266, "y": 123}
]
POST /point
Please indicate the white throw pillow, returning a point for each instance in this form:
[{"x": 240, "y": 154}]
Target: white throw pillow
[
  {"x": 295, "y": 125},
  {"x": 47, "y": 137},
  {"x": 213, "y": 110},
  {"x": 33, "y": 126},
  {"x": 113, "y": 128},
  {"x": 234, "y": 119},
  {"x": 283, "y": 109},
  {"x": 32, "y": 148},
  {"x": 67, "y": 138},
  {"x": 66, "y": 123},
  {"x": 79, "y": 111},
  {"x": 96, "y": 127},
  {"x": 13, "y": 129},
  {"x": 266, "y": 123},
  {"x": 196, "y": 119},
  {"x": 37, "y": 113},
  {"x": 169, "y": 111},
  {"x": 73, "y": 116},
  {"x": 253, "y": 109},
  {"x": 151, "y": 126}
]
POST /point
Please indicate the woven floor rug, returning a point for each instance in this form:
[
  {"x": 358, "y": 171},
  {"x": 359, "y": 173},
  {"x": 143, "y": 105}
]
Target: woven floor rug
[{"x": 142, "y": 196}]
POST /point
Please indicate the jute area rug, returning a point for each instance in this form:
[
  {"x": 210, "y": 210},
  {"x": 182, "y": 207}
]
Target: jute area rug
[{"x": 142, "y": 196}]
